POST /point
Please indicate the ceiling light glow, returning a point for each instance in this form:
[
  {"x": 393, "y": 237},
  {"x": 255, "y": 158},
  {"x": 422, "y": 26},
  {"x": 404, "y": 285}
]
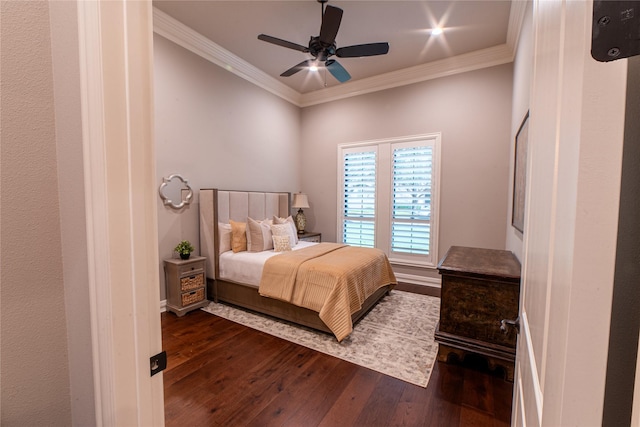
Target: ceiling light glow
[
  {"x": 436, "y": 31},
  {"x": 313, "y": 68}
]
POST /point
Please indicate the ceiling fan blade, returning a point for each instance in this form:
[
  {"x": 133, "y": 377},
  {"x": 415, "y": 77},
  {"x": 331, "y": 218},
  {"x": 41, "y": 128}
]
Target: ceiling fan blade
[
  {"x": 301, "y": 66},
  {"x": 359, "y": 50},
  {"x": 337, "y": 70},
  {"x": 330, "y": 24},
  {"x": 283, "y": 43}
]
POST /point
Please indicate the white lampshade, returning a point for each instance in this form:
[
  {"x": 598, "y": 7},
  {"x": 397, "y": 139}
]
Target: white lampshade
[{"x": 300, "y": 201}]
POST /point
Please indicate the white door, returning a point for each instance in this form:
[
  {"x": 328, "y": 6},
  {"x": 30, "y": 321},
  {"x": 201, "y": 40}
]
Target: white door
[{"x": 574, "y": 160}]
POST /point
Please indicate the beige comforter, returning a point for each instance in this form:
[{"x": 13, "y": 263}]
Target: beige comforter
[{"x": 330, "y": 278}]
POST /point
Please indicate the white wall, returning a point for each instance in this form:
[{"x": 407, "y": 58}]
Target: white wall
[
  {"x": 522, "y": 70},
  {"x": 35, "y": 354},
  {"x": 473, "y": 112},
  {"x": 218, "y": 131}
]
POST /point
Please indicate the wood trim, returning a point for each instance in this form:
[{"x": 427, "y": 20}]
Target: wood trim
[
  {"x": 534, "y": 379},
  {"x": 93, "y": 136},
  {"x": 175, "y": 31},
  {"x": 115, "y": 51},
  {"x": 484, "y": 58},
  {"x": 516, "y": 20}
]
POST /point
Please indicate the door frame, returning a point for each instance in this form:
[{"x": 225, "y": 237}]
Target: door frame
[
  {"x": 573, "y": 187},
  {"x": 116, "y": 73}
]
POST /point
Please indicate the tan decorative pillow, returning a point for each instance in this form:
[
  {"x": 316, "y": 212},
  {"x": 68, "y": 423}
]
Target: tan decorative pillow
[
  {"x": 283, "y": 230},
  {"x": 281, "y": 243},
  {"x": 224, "y": 237},
  {"x": 288, "y": 220},
  {"x": 238, "y": 236},
  {"x": 258, "y": 235}
]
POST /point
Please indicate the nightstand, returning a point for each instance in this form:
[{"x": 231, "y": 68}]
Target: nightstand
[
  {"x": 310, "y": 236},
  {"x": 186, "y": 282}
]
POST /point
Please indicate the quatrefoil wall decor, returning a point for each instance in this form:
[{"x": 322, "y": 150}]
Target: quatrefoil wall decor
[{"x": 168, "y": 187}]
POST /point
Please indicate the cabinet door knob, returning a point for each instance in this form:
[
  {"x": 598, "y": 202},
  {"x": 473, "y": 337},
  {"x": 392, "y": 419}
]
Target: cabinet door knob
[{"x": 505, "y": 323}]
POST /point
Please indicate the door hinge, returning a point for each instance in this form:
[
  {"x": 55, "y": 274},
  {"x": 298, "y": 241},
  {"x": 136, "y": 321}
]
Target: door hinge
[{"x": 158, "y": 363}]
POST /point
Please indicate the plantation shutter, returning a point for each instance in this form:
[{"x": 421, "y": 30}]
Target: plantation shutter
[
  {"x": 388, "y": 193},
  {"x": 359, "y": 201},
  {"x": 412, "y": 190}
]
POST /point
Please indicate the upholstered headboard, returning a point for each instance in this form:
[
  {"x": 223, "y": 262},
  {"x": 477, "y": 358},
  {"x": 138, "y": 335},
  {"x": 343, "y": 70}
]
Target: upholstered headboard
[{"x": 222, "y": 205}]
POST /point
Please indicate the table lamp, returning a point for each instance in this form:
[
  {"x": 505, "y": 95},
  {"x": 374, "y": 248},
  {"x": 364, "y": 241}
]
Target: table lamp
[{"x": 300, "y": 202}]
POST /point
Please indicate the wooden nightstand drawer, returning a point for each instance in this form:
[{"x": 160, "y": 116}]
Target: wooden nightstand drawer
[
  {"x": 192, "y": 282},
  {"x": 192, "y": 297},
  {"x": 310, "y": 236},
  {"x": 190, "y": 269}
]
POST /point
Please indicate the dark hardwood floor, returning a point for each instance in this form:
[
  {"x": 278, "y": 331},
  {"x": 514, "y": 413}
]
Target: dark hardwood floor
[{"x": 221, "y": 373}]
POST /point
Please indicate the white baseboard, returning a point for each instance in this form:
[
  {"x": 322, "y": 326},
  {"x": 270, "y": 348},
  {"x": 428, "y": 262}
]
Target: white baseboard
[
  {"x": 163, "y": 306},
  {"x": 419, "y": 280}
]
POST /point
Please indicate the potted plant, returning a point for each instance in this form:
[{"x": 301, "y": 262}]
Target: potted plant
[{"x": 184, "y": 248}]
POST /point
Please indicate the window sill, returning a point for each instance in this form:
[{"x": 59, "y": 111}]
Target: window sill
[{"x": 407, "y": 263}]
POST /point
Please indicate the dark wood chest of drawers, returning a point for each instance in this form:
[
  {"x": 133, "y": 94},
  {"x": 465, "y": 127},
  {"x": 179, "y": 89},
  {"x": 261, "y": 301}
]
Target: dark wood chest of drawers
[{"x": 480, "y": 288}]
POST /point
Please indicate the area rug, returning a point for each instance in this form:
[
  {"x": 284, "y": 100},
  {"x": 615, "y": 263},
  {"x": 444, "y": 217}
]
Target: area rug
[{"x": 395, "y": 338}]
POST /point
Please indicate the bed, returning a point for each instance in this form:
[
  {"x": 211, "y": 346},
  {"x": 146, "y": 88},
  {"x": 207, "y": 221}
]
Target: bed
[{"x": 234, "y": 277}]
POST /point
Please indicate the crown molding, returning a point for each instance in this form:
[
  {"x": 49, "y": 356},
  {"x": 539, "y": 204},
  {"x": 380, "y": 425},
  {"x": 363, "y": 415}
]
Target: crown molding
[
  {"x": 175, "y": 31},
  {"x": 446, "y": 67},
  {"x": 516, "y": 19}
]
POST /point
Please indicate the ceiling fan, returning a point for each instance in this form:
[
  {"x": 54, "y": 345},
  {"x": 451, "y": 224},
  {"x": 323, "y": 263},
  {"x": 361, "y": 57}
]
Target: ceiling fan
[{"x": 323, "y": 46}]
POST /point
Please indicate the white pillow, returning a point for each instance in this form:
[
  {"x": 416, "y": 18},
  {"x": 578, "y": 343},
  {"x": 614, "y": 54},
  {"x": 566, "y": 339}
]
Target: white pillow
[
  {"x": 283, "y": 230},
  {"x": 281, "y": 243},
  {"x": 258, "y": 235},
  {"x": 288, "y": 220},
  {"x": 224, "y": 237}
]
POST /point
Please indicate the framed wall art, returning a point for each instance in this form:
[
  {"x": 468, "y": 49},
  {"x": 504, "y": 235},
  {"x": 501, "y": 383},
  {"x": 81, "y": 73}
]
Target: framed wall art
[{"x": 520, "y": 174}]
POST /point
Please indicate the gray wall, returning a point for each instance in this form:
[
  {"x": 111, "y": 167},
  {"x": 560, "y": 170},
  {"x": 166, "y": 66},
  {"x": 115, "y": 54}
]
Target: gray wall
[
  {"x": 218, "y": 131},
  {"x": 471, "y": 110}
]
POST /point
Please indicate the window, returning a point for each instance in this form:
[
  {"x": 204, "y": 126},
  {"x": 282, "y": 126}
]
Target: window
[
  {"x": 388, "y": 197},
  {"x": 411, "y": 208},
  {"x": 359, "y": 202}
]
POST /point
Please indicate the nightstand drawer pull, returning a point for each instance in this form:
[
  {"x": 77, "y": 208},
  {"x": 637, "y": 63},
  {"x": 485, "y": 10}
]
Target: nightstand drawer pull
[
  {"x": 193, "y": 297},
  {"x": 189, "y": 270},
  {"x": 192, "y": 282}
]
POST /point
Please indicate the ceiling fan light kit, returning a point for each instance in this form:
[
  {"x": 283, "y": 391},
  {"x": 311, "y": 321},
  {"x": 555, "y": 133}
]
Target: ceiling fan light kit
[{"x": 323, "y": 46}]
